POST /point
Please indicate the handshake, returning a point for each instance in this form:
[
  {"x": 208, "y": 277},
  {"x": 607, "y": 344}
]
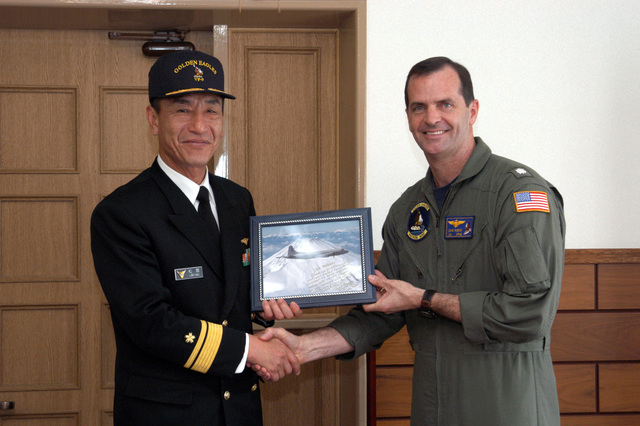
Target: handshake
[{"x": 275, "y": 352}]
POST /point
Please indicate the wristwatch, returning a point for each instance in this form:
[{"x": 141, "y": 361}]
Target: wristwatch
[{"x": 425, "y": 305}]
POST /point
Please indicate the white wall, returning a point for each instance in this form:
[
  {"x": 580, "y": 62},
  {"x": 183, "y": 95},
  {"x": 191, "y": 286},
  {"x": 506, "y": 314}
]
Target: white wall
[{"x": 558, "y": 83}]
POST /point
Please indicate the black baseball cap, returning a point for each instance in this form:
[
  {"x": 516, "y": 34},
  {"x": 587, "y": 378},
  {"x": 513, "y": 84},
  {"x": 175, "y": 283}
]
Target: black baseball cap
[{"x": 184, "y": 72}]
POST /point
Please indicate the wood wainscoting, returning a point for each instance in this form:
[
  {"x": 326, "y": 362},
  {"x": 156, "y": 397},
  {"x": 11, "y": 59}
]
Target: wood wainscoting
[{"x": 595, "y": 347}]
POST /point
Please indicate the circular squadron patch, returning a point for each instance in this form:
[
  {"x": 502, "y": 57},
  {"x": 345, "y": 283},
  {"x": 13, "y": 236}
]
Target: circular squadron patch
[{"x": 418, "y": 226}]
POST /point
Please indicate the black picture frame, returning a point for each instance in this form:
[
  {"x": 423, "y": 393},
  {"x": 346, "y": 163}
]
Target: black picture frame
[{"x": 316, "y": 259}]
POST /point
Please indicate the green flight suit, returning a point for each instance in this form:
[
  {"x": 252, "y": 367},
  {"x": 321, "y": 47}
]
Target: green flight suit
[{"x": 495, "y": 367}]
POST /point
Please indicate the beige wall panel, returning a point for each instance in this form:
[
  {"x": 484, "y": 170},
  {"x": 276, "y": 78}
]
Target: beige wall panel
[
  {"x": 40, "y": 343},
  {"x": 396, "y": 350},
  {"x": 108, "y": 352},
  {"x": 393, "y": 391},
  {"x": 578, "y": 287},
  {"x": 596, "y": 336},
  {"x": 42, "y": 420},
  {"x": 126, "y": 143},
  {"x": 307, "y": 399},
  {"x": 38, "y": 131},
  {"x": 576, "y": 387},
  {"x": 39, "y": 240},
  {"x": 618, "y": 286},
  {"x": 403, "y": 422},
  {"x": 619, "y": 387},
  {"x": 601, "y": 420}
]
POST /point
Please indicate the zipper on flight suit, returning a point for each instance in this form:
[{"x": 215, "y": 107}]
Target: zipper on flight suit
[
  {"x": 440, "y": 214},
  {"x": 473, "y": 249}
]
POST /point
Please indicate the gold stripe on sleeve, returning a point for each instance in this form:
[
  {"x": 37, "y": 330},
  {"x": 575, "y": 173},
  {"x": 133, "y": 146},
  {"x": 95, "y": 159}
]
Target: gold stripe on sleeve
[
  {"x": 196, "y": 350},
  {"x": 209, "y": 349}
]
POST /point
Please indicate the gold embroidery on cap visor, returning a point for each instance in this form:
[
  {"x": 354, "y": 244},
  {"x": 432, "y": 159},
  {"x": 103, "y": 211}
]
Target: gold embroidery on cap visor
[{"x": 196, "y": 89}]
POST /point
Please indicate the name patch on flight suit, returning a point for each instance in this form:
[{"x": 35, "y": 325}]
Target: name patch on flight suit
[
  {"x": 459, "y": 227},
  {"x": 190, "y": 273},
  {"x": 418, "y": 226}
]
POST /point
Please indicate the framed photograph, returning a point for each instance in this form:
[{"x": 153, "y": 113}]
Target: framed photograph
[{"x": 315, "y": 259}]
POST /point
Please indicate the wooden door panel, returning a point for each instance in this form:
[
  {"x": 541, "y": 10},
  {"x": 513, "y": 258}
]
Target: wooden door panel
[
  {"x": 282, "y": 142},
  {"x": 53, "y": 419},
  {"x": 282, "y": 169},
  {"x": 39, "y": 348},
  {"x": 126, "y": 141},
  {"x": 46, "y": 147},
  {"x": 39, "y": 240}
]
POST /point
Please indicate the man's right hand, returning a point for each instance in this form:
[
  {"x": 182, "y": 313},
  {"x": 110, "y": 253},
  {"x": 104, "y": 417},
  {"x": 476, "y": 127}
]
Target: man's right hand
[
  {"x": 273, "y": 357},
  {"x": 319, "y": 344}
]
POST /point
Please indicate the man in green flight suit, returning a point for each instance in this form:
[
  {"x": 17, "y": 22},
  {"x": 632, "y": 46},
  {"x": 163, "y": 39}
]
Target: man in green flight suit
[{"x": 472, "y": 262}]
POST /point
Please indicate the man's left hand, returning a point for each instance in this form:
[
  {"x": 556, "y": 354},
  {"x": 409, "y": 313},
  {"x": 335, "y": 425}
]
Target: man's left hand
[
  {"x": 393, "y": 295},
  {"x": 278, "y": 309}
]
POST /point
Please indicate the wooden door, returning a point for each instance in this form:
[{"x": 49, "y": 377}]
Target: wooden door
[
  {"x": 72, "y": 129},
  {"x": 283, "y": 146}
]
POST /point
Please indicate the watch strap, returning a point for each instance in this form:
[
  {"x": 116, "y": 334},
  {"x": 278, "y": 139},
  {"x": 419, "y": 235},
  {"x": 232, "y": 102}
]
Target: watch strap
[
  {"x": 425, "y": 304},
  {"x": 256, "y": 318}
]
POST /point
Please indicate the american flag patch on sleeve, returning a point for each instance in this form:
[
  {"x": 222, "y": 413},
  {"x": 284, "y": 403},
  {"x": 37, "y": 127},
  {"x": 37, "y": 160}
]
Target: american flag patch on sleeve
[{"x": 531, "y": 201}]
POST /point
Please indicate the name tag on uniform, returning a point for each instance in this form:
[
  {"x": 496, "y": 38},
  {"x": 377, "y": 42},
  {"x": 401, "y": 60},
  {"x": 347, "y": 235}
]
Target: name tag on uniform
[
  {"x": 190, "y": 273},
  {"x": 459, "y": 227}
]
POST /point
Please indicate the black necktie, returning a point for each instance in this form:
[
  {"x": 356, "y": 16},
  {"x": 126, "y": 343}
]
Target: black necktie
[{"x": 204, "y": 210}]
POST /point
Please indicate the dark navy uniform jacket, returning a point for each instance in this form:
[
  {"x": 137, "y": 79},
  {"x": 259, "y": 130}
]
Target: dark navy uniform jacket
[{"x": 180, "y": 318}]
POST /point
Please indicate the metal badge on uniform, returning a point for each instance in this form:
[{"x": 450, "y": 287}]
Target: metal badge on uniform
[
  {"x": 190, "y": 273},
  {"x": 520, "y": 172},
  {"x": 418, "y": 226},
  {"x": 246, "y": 257},
  {"x": 459, "y": 227}
]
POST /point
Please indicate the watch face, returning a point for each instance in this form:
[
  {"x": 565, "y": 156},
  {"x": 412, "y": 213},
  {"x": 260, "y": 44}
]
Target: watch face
[{"x": 427, "y": 313}]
